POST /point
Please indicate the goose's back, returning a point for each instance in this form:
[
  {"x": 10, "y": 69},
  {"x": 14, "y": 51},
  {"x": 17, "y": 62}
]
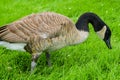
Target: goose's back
[{"x": 45, "y": 25}]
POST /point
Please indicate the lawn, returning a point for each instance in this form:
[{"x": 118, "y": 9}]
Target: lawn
[{"x": 91, "y": 60}]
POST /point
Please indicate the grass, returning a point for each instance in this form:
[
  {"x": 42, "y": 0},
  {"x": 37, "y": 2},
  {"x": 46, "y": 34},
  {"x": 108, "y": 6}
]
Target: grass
[{"x": 91, "y": 60}]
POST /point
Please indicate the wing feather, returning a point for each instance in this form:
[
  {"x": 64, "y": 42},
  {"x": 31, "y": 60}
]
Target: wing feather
[{"x": 45, "y": 25}]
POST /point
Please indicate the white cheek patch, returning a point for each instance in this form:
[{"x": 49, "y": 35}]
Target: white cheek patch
[{"x": 101, "y": 33}]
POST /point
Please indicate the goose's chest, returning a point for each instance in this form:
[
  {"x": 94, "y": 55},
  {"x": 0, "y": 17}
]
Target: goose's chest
[
  {"x": 71, "y": 39},
  {"x": 81, "y": 37},
  {"x": 58, "y": 43},
  {"x": 67, "y": 40}
]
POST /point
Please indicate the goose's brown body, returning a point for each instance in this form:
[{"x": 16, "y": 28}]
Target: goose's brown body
[{"x": 45, "y": 31}]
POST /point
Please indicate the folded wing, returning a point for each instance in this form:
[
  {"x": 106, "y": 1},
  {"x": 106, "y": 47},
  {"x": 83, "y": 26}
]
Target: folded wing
[{"x": 45, "y": 25}]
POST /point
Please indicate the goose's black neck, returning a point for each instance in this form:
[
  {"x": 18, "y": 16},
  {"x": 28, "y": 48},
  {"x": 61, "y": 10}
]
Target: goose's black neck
[{"x": 86, "y": 18}]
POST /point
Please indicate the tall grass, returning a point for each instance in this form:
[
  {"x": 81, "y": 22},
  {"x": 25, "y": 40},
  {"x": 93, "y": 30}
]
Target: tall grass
[{"x": 91, "y": 60}]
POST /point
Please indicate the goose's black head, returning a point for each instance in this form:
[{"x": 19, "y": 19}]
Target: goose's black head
[
  {"x": 98, "y": 24},
  {"x": 107, "y": 37},
  {"x": 105, "y": 34}
]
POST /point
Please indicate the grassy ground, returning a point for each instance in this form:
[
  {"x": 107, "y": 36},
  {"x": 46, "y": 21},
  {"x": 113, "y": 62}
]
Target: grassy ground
[{"x": 91, "y": 60}]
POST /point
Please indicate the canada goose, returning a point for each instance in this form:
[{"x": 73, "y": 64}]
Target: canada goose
[{"x": 49, "y": 31}]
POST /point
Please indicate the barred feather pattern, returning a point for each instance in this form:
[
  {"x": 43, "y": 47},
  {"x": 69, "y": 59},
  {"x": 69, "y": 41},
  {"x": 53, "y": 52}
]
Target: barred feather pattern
[
  {"x": 65, "y": 38},
  {"x": 45, "y": 31},
  {"x": 35, "y": 24}
]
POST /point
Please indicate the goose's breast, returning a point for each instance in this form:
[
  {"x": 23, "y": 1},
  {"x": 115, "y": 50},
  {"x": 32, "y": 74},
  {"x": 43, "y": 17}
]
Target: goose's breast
[
  {"x": 58, "y": 43},
  {"x": 70, "y": 39},
  {"x": 81, "y": 37}
]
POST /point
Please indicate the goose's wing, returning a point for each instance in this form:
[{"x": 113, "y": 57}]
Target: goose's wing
[{"x": 45, "y": 25}]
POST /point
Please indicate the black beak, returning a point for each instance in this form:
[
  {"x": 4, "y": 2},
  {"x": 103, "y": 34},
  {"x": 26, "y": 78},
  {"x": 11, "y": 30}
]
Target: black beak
[{"x": 108, "y": 43}]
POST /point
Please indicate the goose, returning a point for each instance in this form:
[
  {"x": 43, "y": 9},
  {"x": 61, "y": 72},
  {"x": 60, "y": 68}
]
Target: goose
[{"x": 49, "y": 31}]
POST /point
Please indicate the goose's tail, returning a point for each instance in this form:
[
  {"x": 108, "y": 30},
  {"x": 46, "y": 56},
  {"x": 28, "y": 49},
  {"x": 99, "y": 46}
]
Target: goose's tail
[
  {"x": 2, "y": 32},
  {"x": 4, "y": 35}
]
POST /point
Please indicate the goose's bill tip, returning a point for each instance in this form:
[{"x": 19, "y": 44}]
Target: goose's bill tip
[
  {"x": 108, "y": 43},
  {"x": 109, "y": 47}
]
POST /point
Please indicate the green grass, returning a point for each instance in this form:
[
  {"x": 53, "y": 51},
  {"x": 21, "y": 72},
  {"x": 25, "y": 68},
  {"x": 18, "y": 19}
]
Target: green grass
[{"x": 91, "y": 60}]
